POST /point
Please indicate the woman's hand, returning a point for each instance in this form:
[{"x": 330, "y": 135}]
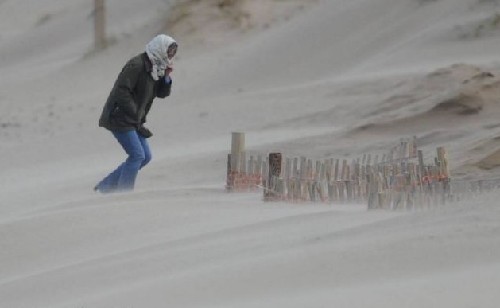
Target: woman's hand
[{"x": 168, "y": 70}]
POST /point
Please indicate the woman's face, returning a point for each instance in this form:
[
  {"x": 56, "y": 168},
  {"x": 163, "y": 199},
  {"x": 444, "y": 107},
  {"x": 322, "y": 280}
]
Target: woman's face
[{"x": 172, "y": 50}]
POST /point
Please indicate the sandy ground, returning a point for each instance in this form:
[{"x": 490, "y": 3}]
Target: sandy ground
[{"x": 336, "y": 78}]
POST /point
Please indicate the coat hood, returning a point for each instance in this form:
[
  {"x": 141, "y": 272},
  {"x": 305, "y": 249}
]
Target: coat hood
[{"x": 156, "y": 50}]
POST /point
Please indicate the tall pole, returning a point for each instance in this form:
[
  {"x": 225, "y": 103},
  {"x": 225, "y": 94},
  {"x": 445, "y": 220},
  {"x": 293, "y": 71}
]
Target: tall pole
[
  {"x": 99, "y": 24},
  {"x": 237, "y": 150}
]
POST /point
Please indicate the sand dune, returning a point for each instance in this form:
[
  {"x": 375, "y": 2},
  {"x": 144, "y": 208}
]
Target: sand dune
[{"x": 318, "y": 78}]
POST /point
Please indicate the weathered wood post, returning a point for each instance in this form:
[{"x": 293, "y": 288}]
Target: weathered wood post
[
  {"x": 302, "y": 179},
  {"x": 421, "y": 175},
  {"x": 336, "y": 181},
  {"x": 323, "y": 182},
  {"x": 443, "y": 161},
  {"x": 229, "y": 177},
  {"x": 258, "y": 170},
  {"x": 348, "y": 184},
  {"x": 372, "y": 188},
  {"x": 265, "y": 173},
  {"x": 343, "y": 181},
  {"x": 357, "y": 181},
  {"x": 444, "y": 173},
  {"x": 421, "y": 164},
  {"x": 296, "y": 180},
  {"x": 99, "y": 24},
  {"x": 315, "y": 178},
  {"x": 310, "y": 180},
  {"x": 270, "y": 192},
  {"x": 288, "y": 179},
  {"x": 251, "y": 173},
  {"x": 386, "y": 176},
  {"x": 237, "y": 149},
  {"x": 414, "y": 148},
  {"x": 234, "y": 160},
  {"x": 411, "y": 186},
  {"x": 329, "y": 179}
]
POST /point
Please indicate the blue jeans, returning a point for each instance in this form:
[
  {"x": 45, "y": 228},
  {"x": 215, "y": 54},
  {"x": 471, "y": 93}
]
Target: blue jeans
[{"x": 123, "y": 177}]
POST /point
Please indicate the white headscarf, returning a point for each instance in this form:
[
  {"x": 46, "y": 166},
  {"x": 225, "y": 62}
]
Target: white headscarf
[{"x": 157, "y": 53}]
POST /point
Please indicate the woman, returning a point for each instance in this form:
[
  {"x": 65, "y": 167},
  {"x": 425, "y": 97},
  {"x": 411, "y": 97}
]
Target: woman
[{"x": 143, "y": 78}]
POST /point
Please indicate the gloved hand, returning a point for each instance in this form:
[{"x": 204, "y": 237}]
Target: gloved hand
[
  {"x": 168, "y": 70},
  {"x": 144, "y": 132}
]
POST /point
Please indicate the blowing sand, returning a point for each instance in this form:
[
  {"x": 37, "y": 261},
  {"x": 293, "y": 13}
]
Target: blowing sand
[{"x": 334, "y": 78}]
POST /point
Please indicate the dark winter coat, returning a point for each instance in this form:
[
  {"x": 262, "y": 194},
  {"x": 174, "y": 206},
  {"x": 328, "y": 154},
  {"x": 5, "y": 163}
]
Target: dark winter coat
[{"x": 132, "y": 96}]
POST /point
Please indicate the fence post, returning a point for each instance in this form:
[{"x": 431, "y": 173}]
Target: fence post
[
  {"x": 236, "y": 161},
  {"x": 229, "y": 176},
  {"x": 443, "y": 162},
  {"x": 99, "y": 24},
  {"x": 270, "y": 193},
  {"x": 444, "y": 173},
  {"x": 237, "y": 149}
]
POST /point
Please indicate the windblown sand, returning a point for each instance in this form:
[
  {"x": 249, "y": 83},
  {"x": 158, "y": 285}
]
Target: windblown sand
[{"x": 336, "y": 78}]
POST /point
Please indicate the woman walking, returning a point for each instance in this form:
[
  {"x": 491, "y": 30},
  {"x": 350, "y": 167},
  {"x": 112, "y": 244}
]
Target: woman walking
[{"x": 143, "y": 78}]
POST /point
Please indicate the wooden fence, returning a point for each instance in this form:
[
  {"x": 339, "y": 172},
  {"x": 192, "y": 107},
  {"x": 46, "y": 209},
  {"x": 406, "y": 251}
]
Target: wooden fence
[
  {"x": 243, "y": 174},
  {"x": 246, "y": 175},
  {"x": 399, "y": 179}
]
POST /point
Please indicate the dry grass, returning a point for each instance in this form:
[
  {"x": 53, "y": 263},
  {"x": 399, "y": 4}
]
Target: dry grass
[{"x": 214, "y": 21}]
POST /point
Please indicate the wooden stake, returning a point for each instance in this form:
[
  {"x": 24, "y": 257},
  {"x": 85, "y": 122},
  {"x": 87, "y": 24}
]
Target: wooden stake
[
  {"x": 414, "y": 147},
  {"x": 271, "y": 191},
  {"x": 421, "y": 166},
  {"x": 258, "y": 170},
  {"x": 237, "y": 148},
  {"x": 443, "y": 162},
  {"x": 344, "y": 170},
  {"x": 229, "y": 178},
  {"x": 99, "y": 24},
  {"x": 336, "y": 176},
  {"x": 303, "y": 168},
  {"x": 288, "y": 169},
  {"x": 295, "y": 167}
]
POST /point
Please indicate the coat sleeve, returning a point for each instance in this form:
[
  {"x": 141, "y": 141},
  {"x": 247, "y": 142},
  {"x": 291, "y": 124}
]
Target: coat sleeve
[
  {"x": 163, "y": 88},
  {"x": 125, "y": 85}
]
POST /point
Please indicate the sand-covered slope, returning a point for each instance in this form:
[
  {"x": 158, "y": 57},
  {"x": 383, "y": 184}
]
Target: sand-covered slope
[{"x": 319, "y": 78}]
